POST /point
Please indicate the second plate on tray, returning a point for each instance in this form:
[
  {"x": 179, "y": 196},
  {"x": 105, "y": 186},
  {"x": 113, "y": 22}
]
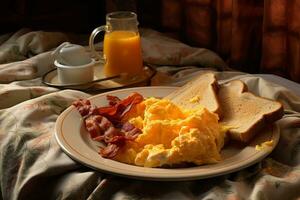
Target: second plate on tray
[{"x": 51, "y": 79}]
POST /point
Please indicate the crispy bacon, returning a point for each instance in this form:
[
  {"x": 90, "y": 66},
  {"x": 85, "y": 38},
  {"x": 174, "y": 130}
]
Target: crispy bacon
[
  {"x": 84, "y": 107},
  {"x": 130, "y": 130},
  {"x": 118, "y": 109},
  {"x": 109, "y": 151},
  {"x": 97, "y": 125},
  {"x": 104, "y": 123},
  {"x": 112, "y": 100}
]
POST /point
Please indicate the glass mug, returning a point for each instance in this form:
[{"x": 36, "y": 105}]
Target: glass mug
[{"x": 122, "y": 51}]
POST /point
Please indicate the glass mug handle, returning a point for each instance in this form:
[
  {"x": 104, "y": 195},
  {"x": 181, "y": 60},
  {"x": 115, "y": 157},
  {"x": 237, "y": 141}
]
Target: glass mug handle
[{"x": 95, "y": 32}]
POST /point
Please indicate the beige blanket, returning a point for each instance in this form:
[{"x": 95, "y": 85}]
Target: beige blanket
[{"x": 32, "y": 165}]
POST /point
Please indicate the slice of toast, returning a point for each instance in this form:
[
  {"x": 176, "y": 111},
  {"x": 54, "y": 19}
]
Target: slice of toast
[
  {"x": 244, "y": 113},
  {"x": 202, "y": 90}
]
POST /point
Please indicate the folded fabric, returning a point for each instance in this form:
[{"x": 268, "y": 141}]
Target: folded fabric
[{"x": 26, "y": 55}]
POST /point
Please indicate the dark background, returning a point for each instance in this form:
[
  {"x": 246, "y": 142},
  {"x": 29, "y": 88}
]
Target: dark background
[
  {"x": 57, "y": 15},
  {"x": 71, "y": 15}
]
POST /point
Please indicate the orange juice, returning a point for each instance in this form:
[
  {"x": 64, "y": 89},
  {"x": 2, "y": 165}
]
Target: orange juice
[{"x": 123, "y": 54}]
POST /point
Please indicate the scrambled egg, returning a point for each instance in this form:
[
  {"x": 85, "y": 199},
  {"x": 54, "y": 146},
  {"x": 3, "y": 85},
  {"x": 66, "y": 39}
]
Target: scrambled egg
[
  {"x": 263, "y": 145},
  {"x": 171, "y": 135}
]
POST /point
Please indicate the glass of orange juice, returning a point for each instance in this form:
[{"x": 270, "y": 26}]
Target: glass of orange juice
[{"x": 122, "y": 52}]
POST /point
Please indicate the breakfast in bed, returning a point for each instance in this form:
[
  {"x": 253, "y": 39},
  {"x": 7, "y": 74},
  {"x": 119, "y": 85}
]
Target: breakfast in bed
[{"x": 190, "y": 126}]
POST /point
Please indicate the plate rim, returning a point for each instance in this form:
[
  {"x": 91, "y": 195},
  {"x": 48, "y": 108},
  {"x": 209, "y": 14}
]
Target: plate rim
[{"x": 258, "y": 156}]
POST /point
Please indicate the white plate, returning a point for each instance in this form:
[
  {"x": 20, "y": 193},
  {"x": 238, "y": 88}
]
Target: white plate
[{"x": 75, "y": 141}]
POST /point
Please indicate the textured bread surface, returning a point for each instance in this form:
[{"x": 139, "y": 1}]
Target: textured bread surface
[
  {"x": 202, "y": 90},
  {"x": 244, "y": 113}
]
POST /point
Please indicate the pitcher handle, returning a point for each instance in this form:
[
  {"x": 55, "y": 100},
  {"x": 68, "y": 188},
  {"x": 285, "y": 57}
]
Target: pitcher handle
[{"x": 95, "y": 32}]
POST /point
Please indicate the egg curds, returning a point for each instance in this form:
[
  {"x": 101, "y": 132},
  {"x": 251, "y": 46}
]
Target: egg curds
[{"x": 172, "y": 135}]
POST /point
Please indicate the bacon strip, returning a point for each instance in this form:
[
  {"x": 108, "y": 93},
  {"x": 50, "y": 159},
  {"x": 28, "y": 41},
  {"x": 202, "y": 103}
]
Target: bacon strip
[
  {"x": 112, "y": 100},
  {"x": 109, "y": 151},
  {"x": 118, "y": 109},
  {"x": 97, "y": 125},
  {"x": 84, "y": 107},
  {"x": 104, "y": 123}
]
